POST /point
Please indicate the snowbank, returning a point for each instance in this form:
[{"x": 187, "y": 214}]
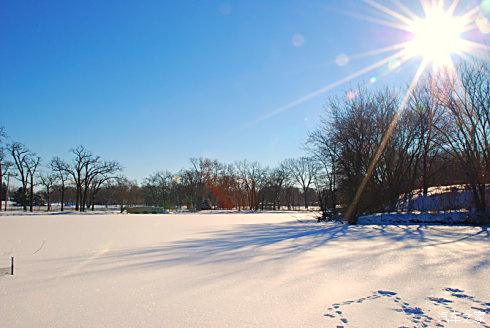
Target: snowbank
[
  {"x": 439, "y": 198},
  {"x": 454, "y": 217}
]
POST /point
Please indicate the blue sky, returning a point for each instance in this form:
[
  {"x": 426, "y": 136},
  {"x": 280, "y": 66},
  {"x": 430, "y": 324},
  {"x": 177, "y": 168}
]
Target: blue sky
[{"x": 152, "y": 83}]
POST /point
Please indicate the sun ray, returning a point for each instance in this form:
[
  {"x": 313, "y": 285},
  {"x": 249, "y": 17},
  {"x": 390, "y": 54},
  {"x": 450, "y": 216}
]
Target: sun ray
[
  {"x": 379, "y": 51},
  {"x": 388, "y": 11},
  {"x": 405, "y": 9},
  {"x": 476, "y": 45},
  {"x": 470, "y": 27},
  {"x": 475, "y": 49},
  {"x": 328, "y": 87},
  {"x": 452, "y": 7},
  {"x": 384, "y": 142},
  {"x": 468, "y": 15},
  {"x": 374, "y": 20},
  {"x": 424, "y": 5}
]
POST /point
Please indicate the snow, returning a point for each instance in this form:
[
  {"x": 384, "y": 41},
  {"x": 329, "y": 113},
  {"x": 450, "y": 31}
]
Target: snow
[
  {"x": 440, "y": 198},
  {"x": 415, "y": 217},
  {"x": 66, "y": 212},
  {"x": 240, "y": 270}
]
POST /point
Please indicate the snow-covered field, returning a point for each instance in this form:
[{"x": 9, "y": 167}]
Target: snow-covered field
[{"x": 240, "y": 270}]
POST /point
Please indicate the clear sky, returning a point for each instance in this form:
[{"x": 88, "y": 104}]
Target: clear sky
[{"x": 152, "y": 83}]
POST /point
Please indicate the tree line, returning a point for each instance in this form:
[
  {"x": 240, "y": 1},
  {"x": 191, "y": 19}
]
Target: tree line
[
  {"x": 369, "y": 150},
  {"x": 375, "y": 149},
  {"x": 86, "y": 180},
  {"x": 85, "y": 173}
]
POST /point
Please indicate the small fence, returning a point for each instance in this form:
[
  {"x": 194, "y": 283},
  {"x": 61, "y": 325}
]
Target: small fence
[{"x": 8, "y": 270}]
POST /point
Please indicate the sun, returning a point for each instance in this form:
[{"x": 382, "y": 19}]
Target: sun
[{"x": 437, "y": 36}]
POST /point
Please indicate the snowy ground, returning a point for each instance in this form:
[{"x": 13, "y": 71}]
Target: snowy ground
[{"x": 240, "y": 270}]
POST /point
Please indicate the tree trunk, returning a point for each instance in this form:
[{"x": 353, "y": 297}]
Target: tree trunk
[
  {"x": 481, "y": 206},
  {"x": 352, "y": 216},
  {"x": 79, "y": 191},
  {"x": 24, "y": 196},
  {"x": 31, "y": 203},
  {"x": 305, "y": 195},
  {"x": 425, "y": 183},
  {"x": 334, "y": 201},
  {"x": 1, "y": 186},
  {"x": 62, "y": 196},
  {"x": 48, "y": 199},
  {"x": 84, "y": 199},
  {"x": 7, "y": 192}
]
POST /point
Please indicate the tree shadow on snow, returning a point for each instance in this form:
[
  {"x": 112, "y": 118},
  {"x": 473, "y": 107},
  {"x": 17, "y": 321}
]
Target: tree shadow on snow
[{"x": 269, "y": 242}]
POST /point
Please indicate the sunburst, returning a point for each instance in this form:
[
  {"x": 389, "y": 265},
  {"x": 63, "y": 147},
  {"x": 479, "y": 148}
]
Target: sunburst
[{"x": 437, "y": 37}]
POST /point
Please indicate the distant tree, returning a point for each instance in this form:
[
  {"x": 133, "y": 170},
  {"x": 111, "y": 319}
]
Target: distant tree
[
  {"x": 158, "y": 187},
  {"x": 82, "y": 158},
  {"x": 20, "y": 155},
  {"x": 102, "y": 173},
  {"x": 6, "y": 171},
  {"x": 3, "y": 135},
  {"x": 252, "y": 178},
  {"x": 303, "y": 170},
  {"x": 125, "y": 192},
  {"x": 276, "y": 180},
  {"x": 325, "y": 151},
  {"x": 32, "y": 163},
  {"x": 62, "y": 171},
  {"x": 18, "y": 197},
  {"x": 48, "y": 181},
  {"x": 89, "y": 173}
]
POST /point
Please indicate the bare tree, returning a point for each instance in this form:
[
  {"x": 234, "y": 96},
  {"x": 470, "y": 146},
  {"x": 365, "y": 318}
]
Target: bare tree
[
  {"x": 303, "y": 170},
  {"x": 96, "y": 173},
  {"x": 206, "y": 172},
  {"x": 367, "y": 155},
  {"x": 325, "y": 151},
  {"x": 32, "y": 163},
  {"x": 82, "y": 158},
  {"x": 107, "y": 172},
  {"x": 466, "y": 127},
  {"x": 158, "y": 186},
  {"x": 20, "y": 154},
  {"x": 62, "y": 171},
  {"x": 125, "y": 192},
  {"x": 6, "y": 171},
  {"x": 428, "y": 115},
  {"x": 48, "y": 180},
  {"x": 251, "y": 176},
  {"x": 276, "y": 180},
  {"x": 3, "y": 135}
]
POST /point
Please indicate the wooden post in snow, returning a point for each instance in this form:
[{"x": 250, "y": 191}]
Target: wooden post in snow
[{"x": 12, "y": 266}]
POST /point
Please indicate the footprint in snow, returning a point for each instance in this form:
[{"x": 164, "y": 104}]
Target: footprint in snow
[
  {"x": 386, "y": 293},
  {"x": 451, "y": 303}
]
